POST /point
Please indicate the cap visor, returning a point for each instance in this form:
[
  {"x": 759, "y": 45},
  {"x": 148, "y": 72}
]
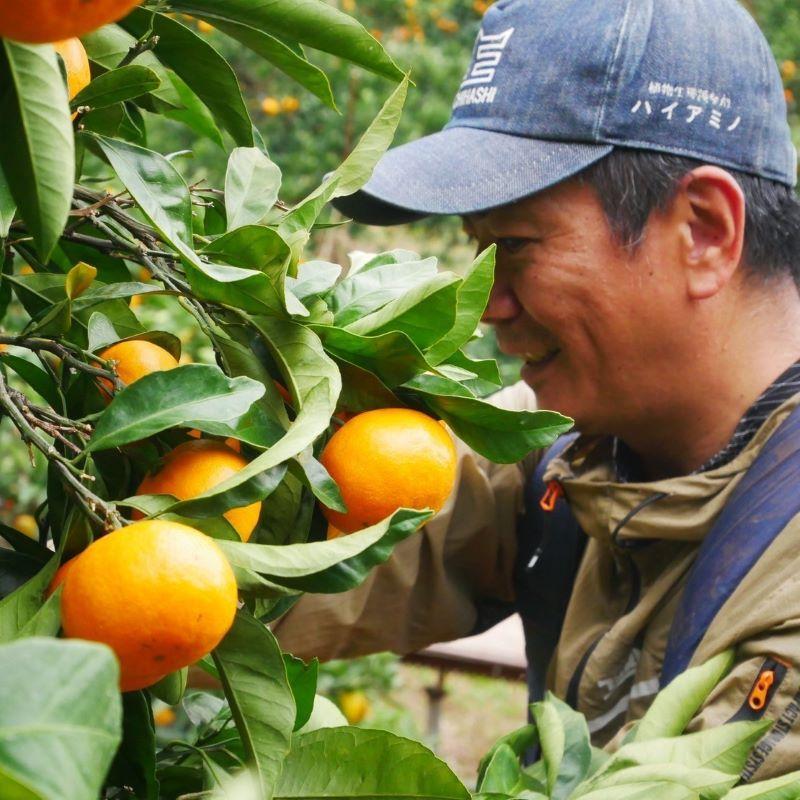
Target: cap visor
[{"x": 463, "y": 170}]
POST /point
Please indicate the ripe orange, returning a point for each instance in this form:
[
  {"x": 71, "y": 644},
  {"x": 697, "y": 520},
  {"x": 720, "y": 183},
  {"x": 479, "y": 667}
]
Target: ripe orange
[
  {"x": 135, "y": 359},
  {"x": 161, "y": 595},
  {"x": 40, "y": 21},
  {"x": 26, "y": 523},
  {"x": 193, "y": 468},
  {"x": 76, "y": 63},
  {"x": 355, "y": 706},
  {"x": 60, "y": 576},
  {"x": 387, "y": 459}
]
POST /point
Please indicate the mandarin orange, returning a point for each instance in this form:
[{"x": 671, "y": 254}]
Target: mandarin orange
[
  {"x": 160, "y": 594},
  {"x": 387, "y": 459},
  {"x": 41, "y": 21},
  {"x": 193, "y": 468},
  {"x": 135, "y": 359}
]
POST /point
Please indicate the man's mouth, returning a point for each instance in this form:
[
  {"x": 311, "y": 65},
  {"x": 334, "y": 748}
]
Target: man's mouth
[{"x": 539, "y": 358}]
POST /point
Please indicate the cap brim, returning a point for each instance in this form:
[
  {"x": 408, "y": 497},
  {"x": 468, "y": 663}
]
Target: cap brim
[{"x": 463, "y": 170}]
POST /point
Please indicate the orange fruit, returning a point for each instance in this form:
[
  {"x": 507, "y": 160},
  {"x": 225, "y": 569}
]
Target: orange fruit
[
  {"x": 387, "y": 459},
  {"x": 76, "y": 63},
  {"x": 26, "y": 523},
  {"x": 60, "y": 576},
  {"x": 193, "y": 468},
  {"x": 164, "y": 717},
  {"x": 135, "y": 359},
  {"x": 161, "y": 595},
  {"x": 334, "y": 533},
  {"x": 271, "y": 106},
  {"x": 234, "y": 444},
  {"x": 354, "y": 705},
  {"x": 40, "y": 21}
]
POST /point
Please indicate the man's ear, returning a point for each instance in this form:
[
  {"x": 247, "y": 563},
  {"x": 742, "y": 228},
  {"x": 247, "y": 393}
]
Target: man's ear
[{"x": 711, "y": 209}]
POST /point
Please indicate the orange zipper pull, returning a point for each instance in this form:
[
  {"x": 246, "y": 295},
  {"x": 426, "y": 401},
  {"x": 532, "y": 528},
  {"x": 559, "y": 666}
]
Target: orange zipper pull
[
  {"x": 551, "y": 495},
  {"x": 758, "y": 694}
]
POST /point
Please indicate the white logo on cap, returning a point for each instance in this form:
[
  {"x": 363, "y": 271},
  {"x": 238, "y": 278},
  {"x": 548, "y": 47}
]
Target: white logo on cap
[{"x": 487, "y": 57}]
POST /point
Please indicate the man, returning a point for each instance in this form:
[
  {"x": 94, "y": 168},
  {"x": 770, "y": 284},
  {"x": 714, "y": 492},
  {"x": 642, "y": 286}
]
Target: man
[{"x": 632, "y": 162}]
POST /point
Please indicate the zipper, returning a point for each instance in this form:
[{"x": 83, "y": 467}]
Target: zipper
[{"x": 769, "y": 678}]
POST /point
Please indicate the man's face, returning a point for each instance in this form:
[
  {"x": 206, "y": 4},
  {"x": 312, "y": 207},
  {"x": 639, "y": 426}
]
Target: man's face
[{"x": 598, "y": 326}]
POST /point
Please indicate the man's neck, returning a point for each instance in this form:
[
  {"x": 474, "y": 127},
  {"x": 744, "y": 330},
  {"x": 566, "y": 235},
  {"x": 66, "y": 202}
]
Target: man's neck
[{"x": 718, "y": 393}]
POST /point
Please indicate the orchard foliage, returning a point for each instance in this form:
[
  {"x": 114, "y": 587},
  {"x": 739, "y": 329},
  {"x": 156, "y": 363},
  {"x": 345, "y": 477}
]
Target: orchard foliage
[
  {"x": 104, "y": 220},
  {"x": 382, "y": 330}
]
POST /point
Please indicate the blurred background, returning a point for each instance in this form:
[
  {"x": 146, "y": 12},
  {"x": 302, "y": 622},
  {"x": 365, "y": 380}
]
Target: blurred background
[{"x": 306, "y": 139}]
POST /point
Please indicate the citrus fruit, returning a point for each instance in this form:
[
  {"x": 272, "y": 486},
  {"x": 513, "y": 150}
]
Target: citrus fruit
[
  {"x": 387, "y": 459},
  {"x": 26, "y": 523},
  {"x": 354, "y": 705},
  {"x": 193, "y": 468},
  {"x": 60, "y": 576},
  {"x": 160, "y": 594},
  {"x": 271, "y": 106},
  {"x": 234, "y": 444},
  {"x": 164, "y": 717},
  {"x": 40, "y": 21},
  {"x": 135, "y": 359},
  {"x": 76, "y": 63}
]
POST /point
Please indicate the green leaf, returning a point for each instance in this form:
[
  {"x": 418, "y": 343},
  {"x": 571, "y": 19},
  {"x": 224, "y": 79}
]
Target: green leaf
[
  {"x": 57, "y": 741},
  {"x": 424, "y": 314},
  {"x": 18, "y": 608},
  {"x": 564, "y": 739},
  {"x": 357, "y": 168},
  {"x": 709, "y": 784},
  {"x": 291, "y": 63},
  {"x": 117, "y": 86},
  {"x": 203, "y": 69},
  {"x": 7, "y": 205},
  {"x": 367, "y": 291},
  {"x": 135, "y": 762},
  {"x": 392, "y": 357},
  {"x": 787, "y": 787},
  {"x": 36, "y": 148},
  {"x": 365, "y": 765},
  {"x": 502, "y": 436},
  {"x": 171, "y": 688},
  {"x": 214, "y": 503},
  {"x": 252, "y": 182},
  {"x": 518, "y": 740},
  {"x": 155, "y": 184},
  {"x": 310, "y": 22},
  {"x": 186, "y": 396},
  {"x": 310, "y": 376},
  {"x": 473, "y": 295},
  {"x": 35, "y": 377},
  {"x": 675, "y": 706},
  {"x": 108, "y": 45},
  {"x": 193, "y": 113},
  {"x": 303, "y": 681},
  {"x": 724, "y": 748},
  {"x": 502, "y": 773},
  {"x": 79, "y": 279},
  {"x": 253, "y": 675},
  {"x": 331, "y": 566},
  {"x": 313, "y": 278},
  {"x": 47, "y": 620},
  {"x": 312, "y": 474},
  {"x": 253, "y": 246},
  {"x": 652, "y": 790}
]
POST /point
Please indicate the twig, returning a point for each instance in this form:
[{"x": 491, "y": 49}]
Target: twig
[{"x": 137, "y": 49}]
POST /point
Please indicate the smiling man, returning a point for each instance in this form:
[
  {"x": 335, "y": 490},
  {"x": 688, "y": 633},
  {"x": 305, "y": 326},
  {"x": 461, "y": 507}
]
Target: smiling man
[{"x": 632, "y": 162}]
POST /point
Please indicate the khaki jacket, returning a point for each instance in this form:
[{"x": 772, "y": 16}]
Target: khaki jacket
[{"x": 639, "y": 553}]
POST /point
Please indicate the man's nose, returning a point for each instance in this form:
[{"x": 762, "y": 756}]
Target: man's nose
[{"x": 503, "y": 305}]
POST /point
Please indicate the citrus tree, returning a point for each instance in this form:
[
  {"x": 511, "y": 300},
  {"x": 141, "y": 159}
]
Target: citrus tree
[{"x": 187, "y": 504}]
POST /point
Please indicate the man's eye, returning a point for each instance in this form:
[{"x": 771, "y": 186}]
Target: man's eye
[{"x": 512, "y": 244}]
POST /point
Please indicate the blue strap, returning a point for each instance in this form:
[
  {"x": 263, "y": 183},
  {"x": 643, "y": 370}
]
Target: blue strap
[{"x": 760, "y": 507}]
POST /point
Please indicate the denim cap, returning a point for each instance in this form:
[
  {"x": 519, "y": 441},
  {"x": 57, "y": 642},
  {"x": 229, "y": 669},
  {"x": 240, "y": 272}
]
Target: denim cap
[{"x": 556, "y": 85}]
